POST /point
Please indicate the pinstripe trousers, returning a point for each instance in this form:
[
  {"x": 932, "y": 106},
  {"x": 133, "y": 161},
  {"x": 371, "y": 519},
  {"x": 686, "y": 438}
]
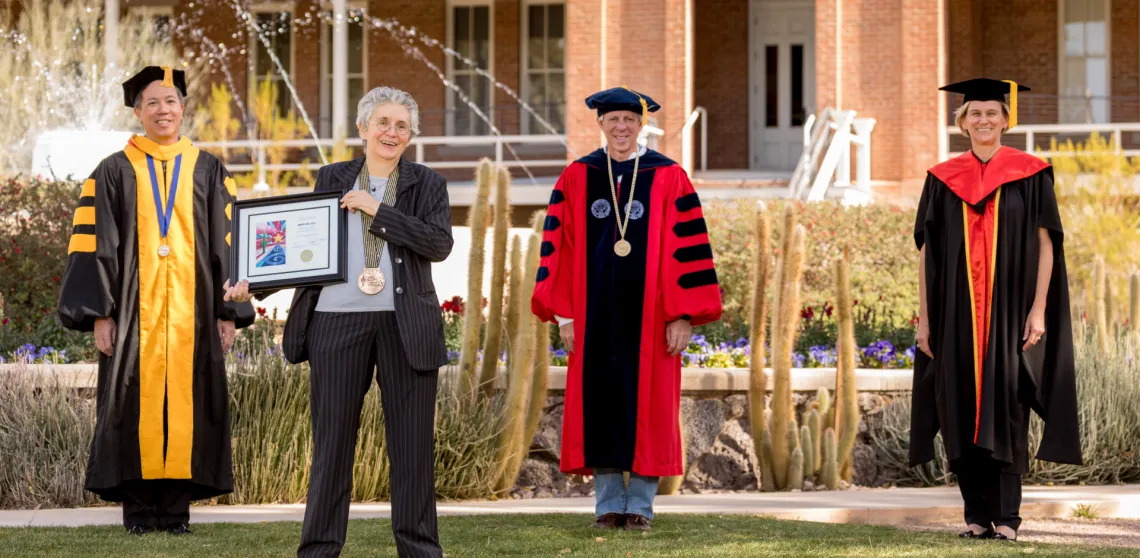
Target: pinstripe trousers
[{"x": 344, "y": 348}]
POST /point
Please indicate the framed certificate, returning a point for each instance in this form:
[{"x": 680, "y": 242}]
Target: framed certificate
[{"x": 289, "y": 241}]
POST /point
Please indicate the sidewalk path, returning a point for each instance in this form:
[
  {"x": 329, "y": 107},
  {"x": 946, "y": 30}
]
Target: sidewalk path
[{"x": 881, "y": 506}]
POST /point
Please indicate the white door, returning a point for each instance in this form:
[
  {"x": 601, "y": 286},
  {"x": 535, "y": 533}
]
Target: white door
[{"x": 782, "y": 44}]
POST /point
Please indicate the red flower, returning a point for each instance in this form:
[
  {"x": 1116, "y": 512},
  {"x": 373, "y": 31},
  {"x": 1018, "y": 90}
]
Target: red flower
[
  {"x": 261, "y": 312},
  {"x": 914, "y": 320},
  {"x": 4, "y": 321},
  {"x": 807, "y": 313}
]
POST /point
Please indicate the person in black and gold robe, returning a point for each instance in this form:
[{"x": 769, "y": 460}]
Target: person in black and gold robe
[
  {"x": 147, "y": 262},
  {"x": 994, "y": 333}
]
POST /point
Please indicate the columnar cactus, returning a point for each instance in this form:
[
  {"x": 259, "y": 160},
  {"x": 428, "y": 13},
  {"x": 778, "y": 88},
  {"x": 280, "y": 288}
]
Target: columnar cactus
[
  {"x": 511, "y": 449},
  {"x": 830, "y": 473},
  {"x": 1101, "y": 310},
  {"x": 846, "y": 398},
  {"x": 813, "y": 426},
  {"x": 808, "y": 445},
  {"x": 541, "y": 357},
  {"x": 767, "y": 476},
  {"x": 477, "y": 220},
  {"x": 796, "y": 470},
  {"x": 783, "y": 343},
  {"x": 493, "y": 336},
  {"x": 515, "y": 296},
  {"x": 757, "y": 376}
]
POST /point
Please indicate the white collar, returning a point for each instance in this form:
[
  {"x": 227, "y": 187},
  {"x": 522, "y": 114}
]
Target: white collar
[{"x": 640, "y": 151}]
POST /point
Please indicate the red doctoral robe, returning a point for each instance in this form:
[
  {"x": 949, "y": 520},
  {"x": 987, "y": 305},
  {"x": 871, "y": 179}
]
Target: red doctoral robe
[{"x": 623, "y": 389}]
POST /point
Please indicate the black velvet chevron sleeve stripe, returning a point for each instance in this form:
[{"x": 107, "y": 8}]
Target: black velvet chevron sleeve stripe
[
  {"x": 696, "y": 279},
  {"x": 688, "y": 202},
  {"x": 693, "y": 253},
  {"x": 557, "y": 197},
  {"x": 551, "y": 223},
  {"x": 690, "y": 228}
]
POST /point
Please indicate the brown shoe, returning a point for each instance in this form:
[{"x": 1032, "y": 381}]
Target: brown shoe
[
  {"x": 610, "y": 521},
  {"x": 634, "y": 522}
]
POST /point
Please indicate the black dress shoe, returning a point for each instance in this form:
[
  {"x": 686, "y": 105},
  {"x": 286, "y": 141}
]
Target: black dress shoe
[
  {"x": 609, "y": 521},
  {"x": 634, "y": 522},
  {"x": 140, "y": 529},
  {"x": 179, "y": 529},
  {"x": 970, "y": 534}
]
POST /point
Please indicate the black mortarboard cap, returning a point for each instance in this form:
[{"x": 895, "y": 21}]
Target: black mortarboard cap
[
  {"x": 985, "y": 89},
  {"x": 150, "y": 74},
  {"x": 622, "y": 98}
]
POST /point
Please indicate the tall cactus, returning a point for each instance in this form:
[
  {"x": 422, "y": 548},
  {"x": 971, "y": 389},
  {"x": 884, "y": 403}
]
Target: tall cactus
[
  {"x": 541, "y": 356},
  {"x": 757, "y": 376},
  {"x": 826, "y": 409},
  {"x": 515, "y": 297},
  {"x": 511, "y": 449},
  {"x": 493, "y": 337},
  {"x": 783, "y": 343},
  {"x": 846, "y": 398},
  {"x": 1134, "y": 303},
  {"x": 808, "y": 445},
  {"x": 1101, "y": 310},
  {"x": 830, "y": 472},
  {"x": 796, "y": 470},
  {"x": 813, "y": 426},
  {"x": 472, "y": 319},
  {"x": 767, "y": 476}
]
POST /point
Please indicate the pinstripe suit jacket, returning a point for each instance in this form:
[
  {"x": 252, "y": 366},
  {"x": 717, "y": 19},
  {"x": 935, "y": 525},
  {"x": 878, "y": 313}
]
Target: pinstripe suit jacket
[{"x": 417, "y": 231}]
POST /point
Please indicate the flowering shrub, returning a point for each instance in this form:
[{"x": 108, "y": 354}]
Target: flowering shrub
[
  {"x": 35, "y": 227},
  {"x": 453, "y": 309},
  {"x": 31, "y": 354}
]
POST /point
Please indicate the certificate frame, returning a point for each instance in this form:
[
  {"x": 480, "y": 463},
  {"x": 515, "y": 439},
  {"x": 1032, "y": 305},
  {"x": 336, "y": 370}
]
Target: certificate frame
[{"x": 270, "y": 259}]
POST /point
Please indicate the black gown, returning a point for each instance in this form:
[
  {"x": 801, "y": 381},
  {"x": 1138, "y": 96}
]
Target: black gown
[
  {"x": 162, "y": 405},
  {"x": 979, "y": 223}
]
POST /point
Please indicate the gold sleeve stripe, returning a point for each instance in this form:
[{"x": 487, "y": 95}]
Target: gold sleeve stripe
[
  {"x": 81, "y": 243},
  {"x": 231, "y": 187},
  {"x": 227, "y": 239},
  {"x": 88, "y": 189},
  {"x": 229, "y": 210},
  {"x": 84, "y": 216}
]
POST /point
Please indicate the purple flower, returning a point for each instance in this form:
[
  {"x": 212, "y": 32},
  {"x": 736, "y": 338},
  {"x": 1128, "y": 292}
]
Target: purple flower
[{"x": 741, "y": 343}]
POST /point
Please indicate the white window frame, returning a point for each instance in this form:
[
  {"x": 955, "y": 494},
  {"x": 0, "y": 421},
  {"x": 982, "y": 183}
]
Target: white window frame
[
  {"x": 152, "y": 12},
  {"x": 451, "y": 99},
  {"x": 326, "y": 72},
  {"x": 1061, "y": 57},
  {"x": 253, "y": 43},
  {"x": 527, "y": 126}
]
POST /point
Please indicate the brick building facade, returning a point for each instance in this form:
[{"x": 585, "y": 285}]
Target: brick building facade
[{"x": 758, "y": 67}]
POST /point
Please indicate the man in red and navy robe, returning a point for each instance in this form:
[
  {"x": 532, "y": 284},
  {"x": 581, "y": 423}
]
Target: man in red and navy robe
[{"x": 626, "y": 271}]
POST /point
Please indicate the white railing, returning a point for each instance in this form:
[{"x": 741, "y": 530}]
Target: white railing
[
  {"x": 687, "y": 140},
  {"x": 1031, "y": 131},
  {"x": 838, "y": 131},
  {"x": 417, "y": 145}
]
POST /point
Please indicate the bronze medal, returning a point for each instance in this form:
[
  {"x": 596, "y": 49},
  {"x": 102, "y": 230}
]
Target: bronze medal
[
  {"x": 370, "y": 281},
  {"x": 622, "y": 248}
]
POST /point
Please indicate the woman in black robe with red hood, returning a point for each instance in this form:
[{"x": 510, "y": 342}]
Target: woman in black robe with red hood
[{"x": 994, "y": 331}]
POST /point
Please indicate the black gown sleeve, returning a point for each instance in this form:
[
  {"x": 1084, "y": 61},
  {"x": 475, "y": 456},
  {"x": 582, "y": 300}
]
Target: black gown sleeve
[
  {"x": 1051, "y": 362},
  {"x": 222, "y": 194},
  {"x": 91, "y": 277}
]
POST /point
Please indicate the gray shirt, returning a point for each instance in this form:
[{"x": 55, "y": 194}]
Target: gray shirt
[{"x": 346, "y": 297}]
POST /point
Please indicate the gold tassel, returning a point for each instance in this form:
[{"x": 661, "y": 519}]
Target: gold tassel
[
  {"x": 644, "y": 105},
  {"x": 1012, "y": 102},
  {"x": 167, "y": 77}
]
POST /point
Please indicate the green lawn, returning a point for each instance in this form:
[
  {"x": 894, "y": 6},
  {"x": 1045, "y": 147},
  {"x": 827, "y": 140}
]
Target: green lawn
[{"x": 540, "y": 535}]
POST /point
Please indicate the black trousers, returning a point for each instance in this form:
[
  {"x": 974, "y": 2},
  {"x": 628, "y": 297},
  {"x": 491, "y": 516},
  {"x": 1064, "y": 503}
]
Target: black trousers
[
  {"x": 158, "y": 503},
  {"x": 344, "y": 349},
  {"x": 992, "y": 497}
]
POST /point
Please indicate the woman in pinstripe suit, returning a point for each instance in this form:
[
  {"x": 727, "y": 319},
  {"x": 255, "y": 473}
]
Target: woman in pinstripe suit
[{"x": 387, "y": 319}]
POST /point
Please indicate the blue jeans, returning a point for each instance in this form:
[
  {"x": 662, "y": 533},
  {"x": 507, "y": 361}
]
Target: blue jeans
[{"x": 612, "y": 496}]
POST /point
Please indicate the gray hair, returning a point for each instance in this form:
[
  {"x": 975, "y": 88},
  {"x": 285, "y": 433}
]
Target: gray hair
[
  {"x": 384, "y": 95},
  {"x": 181, "y": 98}
]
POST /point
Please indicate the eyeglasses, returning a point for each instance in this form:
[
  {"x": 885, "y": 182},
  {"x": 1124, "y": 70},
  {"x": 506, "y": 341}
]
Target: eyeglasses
[{"x": 383, "y": 125}]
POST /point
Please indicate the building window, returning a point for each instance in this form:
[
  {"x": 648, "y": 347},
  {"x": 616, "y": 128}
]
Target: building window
[
  {"x": 544, "y": 67},
  {"x": 357, "y": 71},
  {"x": 470, "y": 35},
  {"x": 277, "y": 27},
  {"x": 161, "y": 16},
  {"x": 1084, "y": 61}
]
